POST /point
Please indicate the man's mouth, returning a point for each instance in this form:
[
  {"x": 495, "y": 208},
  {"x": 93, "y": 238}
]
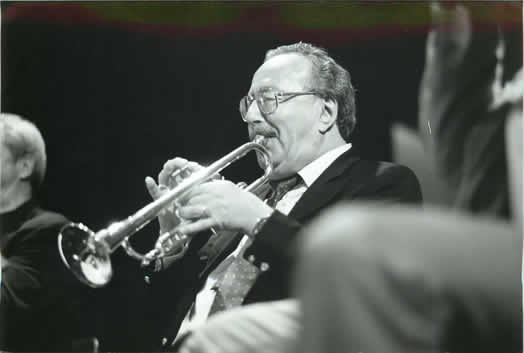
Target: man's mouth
[
  {"x": 264, "y": 134},
  {"x": 262, "y": 139}
]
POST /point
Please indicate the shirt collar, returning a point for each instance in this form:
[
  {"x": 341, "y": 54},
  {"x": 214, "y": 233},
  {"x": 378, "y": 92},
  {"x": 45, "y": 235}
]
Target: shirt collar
[{"x": 312, "y": 171}]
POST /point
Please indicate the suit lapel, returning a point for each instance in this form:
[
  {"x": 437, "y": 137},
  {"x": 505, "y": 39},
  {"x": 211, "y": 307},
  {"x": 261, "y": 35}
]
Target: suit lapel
[{"x": 325, "y": 188}]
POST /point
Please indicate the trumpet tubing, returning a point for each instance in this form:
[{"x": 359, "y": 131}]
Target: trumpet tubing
[{"x": 87, "y": 254}]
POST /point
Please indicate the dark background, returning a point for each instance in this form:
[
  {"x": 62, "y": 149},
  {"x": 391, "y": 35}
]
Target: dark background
[{"x": 119, "y": 88}]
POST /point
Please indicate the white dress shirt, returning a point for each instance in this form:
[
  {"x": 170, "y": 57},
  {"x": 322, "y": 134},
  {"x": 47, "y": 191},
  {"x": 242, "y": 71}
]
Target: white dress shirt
[{"x": 309, "y": 174}]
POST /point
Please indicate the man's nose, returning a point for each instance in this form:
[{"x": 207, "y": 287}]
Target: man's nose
[{"x": 253, "y": 114}]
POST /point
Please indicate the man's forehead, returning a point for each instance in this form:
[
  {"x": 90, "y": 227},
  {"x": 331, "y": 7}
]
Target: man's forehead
[{"x": 284, "y": 71}]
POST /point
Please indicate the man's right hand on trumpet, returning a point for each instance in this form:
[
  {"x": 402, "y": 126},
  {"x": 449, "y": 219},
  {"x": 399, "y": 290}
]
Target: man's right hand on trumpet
[{"x": 216, "y": 204}]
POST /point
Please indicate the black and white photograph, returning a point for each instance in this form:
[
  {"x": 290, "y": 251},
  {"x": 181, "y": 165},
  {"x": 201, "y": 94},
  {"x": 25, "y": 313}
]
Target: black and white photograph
[{"x": 261, "y": 176}]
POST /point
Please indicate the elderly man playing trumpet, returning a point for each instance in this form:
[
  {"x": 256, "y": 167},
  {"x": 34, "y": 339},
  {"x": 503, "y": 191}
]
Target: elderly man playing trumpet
[{"x": 302, "y": 103}]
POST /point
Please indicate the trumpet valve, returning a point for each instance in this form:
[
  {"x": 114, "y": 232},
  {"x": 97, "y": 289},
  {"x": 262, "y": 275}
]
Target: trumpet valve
[{"x": 150, "y": 257}]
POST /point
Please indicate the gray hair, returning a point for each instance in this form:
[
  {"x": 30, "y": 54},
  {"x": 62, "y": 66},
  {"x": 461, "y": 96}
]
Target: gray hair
[
  {"x": 23, "y": 138},
  {"x": 331, "y": 79}
]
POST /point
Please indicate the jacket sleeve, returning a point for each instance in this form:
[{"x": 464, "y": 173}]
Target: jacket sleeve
[
  {"x": 23, "y": 289},
  {"x": 38, "y": 293}
]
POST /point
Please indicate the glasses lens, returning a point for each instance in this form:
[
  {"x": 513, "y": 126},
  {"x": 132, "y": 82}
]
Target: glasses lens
[
  {"x": 244, "y": 106},
  {"x": 267, "y": 103}
]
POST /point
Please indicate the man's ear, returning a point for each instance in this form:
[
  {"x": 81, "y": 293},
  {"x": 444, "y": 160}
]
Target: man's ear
[
  {"x": 328, "y": 115},
  {"x": 25, "y": 166}
]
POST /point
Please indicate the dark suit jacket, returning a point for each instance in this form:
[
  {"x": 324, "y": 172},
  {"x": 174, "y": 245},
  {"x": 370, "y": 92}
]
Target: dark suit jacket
[
  {"x": 348, "y": 178},
  {"x": 42, "y": 306}
]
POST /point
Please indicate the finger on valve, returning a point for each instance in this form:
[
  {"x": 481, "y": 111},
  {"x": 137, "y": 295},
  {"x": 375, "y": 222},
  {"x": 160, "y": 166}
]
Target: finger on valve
[
  {"x": 178, "y": 176},
  {"x": 169, "y": 167}
]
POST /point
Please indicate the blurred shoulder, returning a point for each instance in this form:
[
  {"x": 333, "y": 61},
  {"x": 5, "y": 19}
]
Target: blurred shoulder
[
  {"x": 46, "y": 219},
  {"x": 42, "y": 226}
]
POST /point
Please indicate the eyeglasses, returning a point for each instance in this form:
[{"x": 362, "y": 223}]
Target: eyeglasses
[{"x": 267, "y": 102}]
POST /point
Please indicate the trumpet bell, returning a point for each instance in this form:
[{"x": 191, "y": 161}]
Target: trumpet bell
[{"x": 89, "y": 260}]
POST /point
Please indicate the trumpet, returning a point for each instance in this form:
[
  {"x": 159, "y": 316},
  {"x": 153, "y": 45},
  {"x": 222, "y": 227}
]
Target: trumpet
[{"x": 87, "y": 254}]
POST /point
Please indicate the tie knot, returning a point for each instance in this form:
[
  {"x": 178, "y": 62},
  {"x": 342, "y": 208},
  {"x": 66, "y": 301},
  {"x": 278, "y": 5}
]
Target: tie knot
[
  {"x": 281, "y": 187},
  {"x": 284, "y": 184}
]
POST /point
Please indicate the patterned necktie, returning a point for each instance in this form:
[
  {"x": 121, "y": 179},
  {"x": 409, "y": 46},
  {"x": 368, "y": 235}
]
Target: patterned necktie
[
  {"x": 281, "y": 187},
  {"x": 233, "y": 283},
  {"x": 236, "y": 275}
]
